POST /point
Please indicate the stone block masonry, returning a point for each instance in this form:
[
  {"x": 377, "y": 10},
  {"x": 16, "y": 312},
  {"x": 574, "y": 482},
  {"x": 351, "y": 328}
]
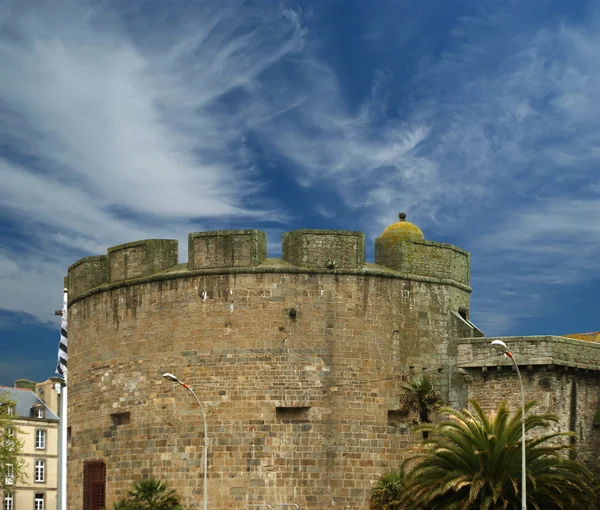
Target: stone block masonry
[
  {"x": 424, "y": 258},
  {"x": 141, "y": 258},
  {"x": 298, "y": 364},
  {"x": 226, "y": 248},
  {"x": 561, "y": 375},
  {"x": 87, "y": 273},
  {"x": 324, "y": 249}
]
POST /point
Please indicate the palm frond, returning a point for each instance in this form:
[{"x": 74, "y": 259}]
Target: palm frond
[{"x": 473, "y": 460}]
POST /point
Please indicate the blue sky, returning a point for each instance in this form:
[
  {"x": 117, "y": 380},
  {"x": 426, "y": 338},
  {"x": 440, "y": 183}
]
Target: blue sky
[{"x": 130, "y": 120}]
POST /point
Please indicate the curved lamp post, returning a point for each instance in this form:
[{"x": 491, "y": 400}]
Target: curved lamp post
[
  {"x": 171, "y": 377},
  {"x": 500, "y": 346}
]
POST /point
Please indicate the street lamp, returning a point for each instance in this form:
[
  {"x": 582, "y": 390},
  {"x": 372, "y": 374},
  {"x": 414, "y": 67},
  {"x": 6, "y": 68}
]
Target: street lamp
[
  {"x": 171, "y": 377},
  {"x": 500, "y": 346}
]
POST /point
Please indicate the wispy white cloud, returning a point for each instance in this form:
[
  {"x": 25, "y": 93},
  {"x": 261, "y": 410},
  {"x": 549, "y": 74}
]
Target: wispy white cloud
[
  {"x": 133, "y": 124},
  {"x": 500, "y": 152},
  {"x": 121, "y": 126},
  {"x": 124, "y": 126}
]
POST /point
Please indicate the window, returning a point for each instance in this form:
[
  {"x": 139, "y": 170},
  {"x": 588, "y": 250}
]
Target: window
[
  {"x": 9, "y": 439},
  {"x": 292, "y": 414},
  {"x": 40, "y": 471},
  {"x": 40, "y": 439},
  {"x": 9, "y": 501},
  {"x": 38, "y": 502},
  {"x": 10, "y": 474},
  {"x": 39, "y": 412},
  {"x": 396, "y": 416},
  {"x": 120, "y": 419},
  {"x": 10, "y": 409}
]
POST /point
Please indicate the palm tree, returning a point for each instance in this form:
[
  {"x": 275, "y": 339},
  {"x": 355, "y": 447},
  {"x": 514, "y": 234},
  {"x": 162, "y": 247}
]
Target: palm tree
[
  {"x": 472, "y": 461},
  {"x": 420, "y": 396},
  {"x": 387, "y": 492},
  {"x": 150, "y": 494}
]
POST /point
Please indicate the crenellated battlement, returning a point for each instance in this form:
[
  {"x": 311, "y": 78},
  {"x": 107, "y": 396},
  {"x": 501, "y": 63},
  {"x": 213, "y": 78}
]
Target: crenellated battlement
[
  {"x": 424, "y": 258},
  {"x": 141, "y": 258},
  {"x": 226, "y": 248},
  {"x": 87, "y": 273},
  {"x": 122, "y": 262},
  {"x": 286, "y": 351},
  {"x": 325, "y": 249},
  {"x": 304, "y": 250}
]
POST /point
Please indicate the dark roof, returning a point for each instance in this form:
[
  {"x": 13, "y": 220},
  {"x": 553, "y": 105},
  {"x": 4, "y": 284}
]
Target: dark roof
[{"x": 25, "y": 400}]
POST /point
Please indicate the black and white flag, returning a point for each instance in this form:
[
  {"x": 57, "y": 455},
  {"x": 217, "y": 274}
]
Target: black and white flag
[{"x": 61, "y": 369}]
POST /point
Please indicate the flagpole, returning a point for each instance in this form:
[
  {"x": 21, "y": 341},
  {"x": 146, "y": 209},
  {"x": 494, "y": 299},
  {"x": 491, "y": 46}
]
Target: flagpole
[
  {"x": 61, "y": 369},
  {"x": 63, "y": 446}
]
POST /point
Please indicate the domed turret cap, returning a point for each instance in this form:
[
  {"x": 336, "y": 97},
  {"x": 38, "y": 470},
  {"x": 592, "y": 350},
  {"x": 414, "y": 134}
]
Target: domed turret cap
[{"x": 402, "y": 230}]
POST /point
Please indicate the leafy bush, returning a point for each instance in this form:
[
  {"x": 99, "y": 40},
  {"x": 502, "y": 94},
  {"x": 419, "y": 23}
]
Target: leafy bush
[{"x": 150, "y": 494}]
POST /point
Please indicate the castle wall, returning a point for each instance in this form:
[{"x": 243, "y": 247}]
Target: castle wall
[
  {"x": 226, "y": 248},
  {"x": 560, "y": 375},
  {"x": 87, "y": 273},
  {"x": 425, "y": 258},
  {"x": 324, "y": 248},
  {"x": 141, "y": 258},
  {"x": 335, "y": 346}
]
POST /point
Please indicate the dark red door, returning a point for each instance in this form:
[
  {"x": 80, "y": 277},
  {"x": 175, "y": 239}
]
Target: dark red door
[{"x": 94, "y": 485}]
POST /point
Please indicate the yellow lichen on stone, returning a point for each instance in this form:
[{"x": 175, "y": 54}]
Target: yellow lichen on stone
[
  {"x": 402, "y": 230},
  {"x": 593, "y": 336}
]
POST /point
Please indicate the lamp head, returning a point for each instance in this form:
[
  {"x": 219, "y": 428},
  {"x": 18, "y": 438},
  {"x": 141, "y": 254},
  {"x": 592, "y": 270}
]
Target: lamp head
[
  {"x": 171, "y": 377},
  {"x": 500, "y": 346}
]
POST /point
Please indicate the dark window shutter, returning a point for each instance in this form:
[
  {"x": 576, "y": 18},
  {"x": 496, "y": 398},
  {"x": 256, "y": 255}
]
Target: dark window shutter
[{"x": 94, "y": 485}]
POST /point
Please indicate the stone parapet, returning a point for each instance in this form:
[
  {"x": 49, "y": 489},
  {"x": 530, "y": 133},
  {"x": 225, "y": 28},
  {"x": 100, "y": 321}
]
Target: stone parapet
[
  {"x": 424, "y": 258},
  {"x": 306, "y": 250},
  {"x": 530, "y": 350},
  {"x": 87, "y": 273},
  {"x": 300, "y": 369},
  {"x": 324, "y": 249},
  {"x": 559, "y": 374},
  {"x": 226, "y": 248},
  {"x": 141, "y": 258}
]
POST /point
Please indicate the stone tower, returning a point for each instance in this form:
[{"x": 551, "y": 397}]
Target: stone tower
[{"x": 298, "y": 361}]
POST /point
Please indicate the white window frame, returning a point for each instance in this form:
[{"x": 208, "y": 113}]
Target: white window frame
[
  {"x": 10, "y": 475},
  {"x": 10, "y": 410},
  {"x": 9, "y": 501},
  {"x": 39, "y": 502},
  {"x": 9, "y": 438},
  {"x": 39, "y": 471},
  {"x": 40, "y": 439},
  {"x": 39, "y": 412}
]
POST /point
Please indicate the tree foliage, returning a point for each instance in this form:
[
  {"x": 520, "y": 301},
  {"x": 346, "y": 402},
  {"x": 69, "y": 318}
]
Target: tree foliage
[
  {"x": 386, "y": 494},
  {"x": 11, "y": 463},
  {"x": 473, "y": 461},
  {"x": 150, "y": 494},
  {"x": 421, "y": 396}
]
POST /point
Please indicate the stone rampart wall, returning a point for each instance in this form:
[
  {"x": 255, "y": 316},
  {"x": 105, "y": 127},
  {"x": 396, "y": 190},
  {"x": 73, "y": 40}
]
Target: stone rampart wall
[
  {"x": 298, "y": 373},
  {"x": 560, "y": 374},
  {"x": 425, "y": 258},
  {"x": 234, "y": 250}
]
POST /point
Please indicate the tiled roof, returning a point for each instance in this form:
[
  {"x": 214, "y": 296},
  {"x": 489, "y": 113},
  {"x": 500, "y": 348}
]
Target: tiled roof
[
  {"x": 25, "y": 400},
  {"x": 593, "y": 336}
]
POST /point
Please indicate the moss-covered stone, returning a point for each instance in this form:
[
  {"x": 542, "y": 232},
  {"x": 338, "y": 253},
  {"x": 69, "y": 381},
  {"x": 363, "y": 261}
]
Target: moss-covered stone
[
  {"x": 226, "y": 248},
  {"x": 325, "y": 249},
  {"x": 425, "y": 258},
  {"x": 141, "y": 258},
  {"x": 87, "y": 273}
]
